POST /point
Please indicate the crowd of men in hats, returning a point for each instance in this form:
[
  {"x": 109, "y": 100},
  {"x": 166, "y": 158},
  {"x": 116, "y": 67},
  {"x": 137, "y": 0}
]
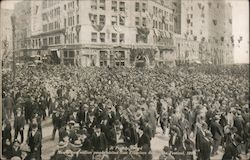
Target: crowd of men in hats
[{"x": 119, "y": 109}]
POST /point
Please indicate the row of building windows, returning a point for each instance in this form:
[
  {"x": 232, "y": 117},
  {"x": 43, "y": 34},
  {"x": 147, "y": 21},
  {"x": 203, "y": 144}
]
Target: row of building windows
[
  {"x": 94, "y": 4},
  {"x": 141, "y": 21},
  {"x": 102, "y": 37},
  {"x": 114, "y": 20},
  {"x": 51, "y": 26},
  {"x": 162, "y": 26},
  {"x": 52, "y": 40},
  {"x": 51, "y": 14},
  {"x": 71, "y": 38},
  {"x": 71, "y": 5},
  {"x": 160, "y": 13},
  {"x": 102, "y": 19},
  {"x": 36, "y": 43},
  {"x": 209, "y": 5},
  {"x": 115, "y": 7},
  {"x": 140, "y": 7},
  {"x": 49, "y": 3},
  {"x": 71, "y": 21}
]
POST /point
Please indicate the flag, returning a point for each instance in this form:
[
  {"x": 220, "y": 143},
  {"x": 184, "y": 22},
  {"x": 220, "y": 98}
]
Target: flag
[
  {"x": 117, "y": 28},
  {"x": 58, "y": 53},
  {"x": 215, "y": 22},
  {"x": 149, "y": 16},
  {"x": 37, "y": 7},
  {"x": 47, "y": 17}
]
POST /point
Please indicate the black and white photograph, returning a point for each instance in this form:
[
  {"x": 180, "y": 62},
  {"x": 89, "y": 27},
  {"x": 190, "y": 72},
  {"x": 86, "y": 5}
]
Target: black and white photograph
[{"x": 124, "y": 80}]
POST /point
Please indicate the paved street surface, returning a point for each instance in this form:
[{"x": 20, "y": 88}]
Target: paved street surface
[{"x": 157, "y": 143}]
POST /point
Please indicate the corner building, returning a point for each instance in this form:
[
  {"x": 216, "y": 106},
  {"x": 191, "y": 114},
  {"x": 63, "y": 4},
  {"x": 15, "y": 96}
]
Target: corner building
[
  {"x": 103, "y": 32},
  {"x": 210, "y": 24}
]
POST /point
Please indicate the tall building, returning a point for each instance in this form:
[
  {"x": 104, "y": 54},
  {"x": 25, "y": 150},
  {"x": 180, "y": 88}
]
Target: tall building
[
  {"x": 22, "y": 33},
  {"x": 103, "y": 32},
  {"x": 209, "y": 23},
  {"x": 176, "y": 5},
  {"x": 6, "y": 36}
]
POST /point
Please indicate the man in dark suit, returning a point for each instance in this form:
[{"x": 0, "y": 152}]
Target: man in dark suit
[
  {"x": 19, "y": 123},
  {"x": 83, "y": 116},
  {"x": 110, "y": 117},
  {"x": 217, "y": 133},
  {"x": 85, "y": 139},
  {"x": 91, "y": 123},
  {"x": 35, "y": 141},
  {"x": 231, "y": 151},
  {"x": 28, "y": 109},
  {"x": 144, "y": 144},
  {"x": 109, "y": 133},
  {"x": 147, "y": 129},
  {"x": 56, "y": 120},
  {"x": 8, "y": 103},
  {"x": 99, "y": 141},
  {"x": 203, "y": 145},
  {"x": 176, "y": 137}
]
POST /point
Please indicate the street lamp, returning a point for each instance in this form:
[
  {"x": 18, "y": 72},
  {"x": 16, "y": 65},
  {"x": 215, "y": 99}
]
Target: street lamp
[{"x": 13, "y": 22}]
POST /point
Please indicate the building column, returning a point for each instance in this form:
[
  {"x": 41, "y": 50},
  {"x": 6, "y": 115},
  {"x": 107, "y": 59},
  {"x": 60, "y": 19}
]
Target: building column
[
  {"x": 62, "y": 56},
  {"x": 127, "y": 58},
  {"x": 109, "y": 60}
]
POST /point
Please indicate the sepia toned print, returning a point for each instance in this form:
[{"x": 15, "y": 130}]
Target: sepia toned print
[{"x": 123, "y": 79}]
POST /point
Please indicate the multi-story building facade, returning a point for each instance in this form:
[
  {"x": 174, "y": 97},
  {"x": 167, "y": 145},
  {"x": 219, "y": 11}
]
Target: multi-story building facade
[
  {"x": 210, "y": 24},
  {"x": 22, "y": 32},
  {"x": 186, "y": 50},
  {"x": 103, "y": 32},
  {"x": 6, "y": 36}
]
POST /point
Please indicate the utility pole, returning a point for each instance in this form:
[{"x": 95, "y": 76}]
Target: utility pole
[{"x": 13, "y": 22}]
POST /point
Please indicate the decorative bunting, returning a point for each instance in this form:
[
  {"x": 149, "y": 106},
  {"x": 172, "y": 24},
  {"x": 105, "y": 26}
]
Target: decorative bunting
[{"x": 97, "y": 27}]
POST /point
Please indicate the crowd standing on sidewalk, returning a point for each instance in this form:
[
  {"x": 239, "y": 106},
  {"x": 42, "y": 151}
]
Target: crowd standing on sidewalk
[{"x": 118, "y": 109}]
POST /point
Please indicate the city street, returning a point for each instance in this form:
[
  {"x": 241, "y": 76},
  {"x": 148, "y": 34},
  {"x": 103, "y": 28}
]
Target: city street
[{"x": 113, "y": 75}]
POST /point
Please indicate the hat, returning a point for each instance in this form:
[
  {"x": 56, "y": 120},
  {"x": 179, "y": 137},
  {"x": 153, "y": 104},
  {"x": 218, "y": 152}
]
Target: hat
[
  {"x": 62, "y": 144},
  {"x": 98, "y": 126},
  {"x": 82, "y": 131},
  {"x": 216, "y": 117},
  {"x": 118, "y": 128},
  {"x": 77, "y": 144},
  {"x": 16, "y": 142},
  {"x": 166, "y": 149},
  {"x": 15, "y": 158},
  {"x": 72, "y": 122},
  {"x": 34, "y": 125},
  {"x": 76, "y": 125}
]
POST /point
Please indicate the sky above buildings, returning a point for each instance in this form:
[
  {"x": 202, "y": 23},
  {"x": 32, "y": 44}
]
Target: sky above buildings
[{"x": 240, "y": 27}]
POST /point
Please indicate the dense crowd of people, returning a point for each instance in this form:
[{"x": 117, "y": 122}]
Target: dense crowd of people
[{"x": 118, "y": 110}]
